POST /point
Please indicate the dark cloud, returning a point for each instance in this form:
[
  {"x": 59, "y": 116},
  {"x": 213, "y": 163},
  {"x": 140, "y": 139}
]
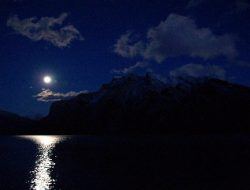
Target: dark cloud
[
  {"x": 49, "y": 96},
  {"x": 176, "y": 36},
  {"x": 131, "y": 69},
  {"x": 242, "y": 5},
  {"x": 49, "y": 29},
  {"x": 237, "y": 5},
  {"x": 194, "y": 3},
  {"x": 243, "y": 63},
  {"x": 198, "y": 70}
]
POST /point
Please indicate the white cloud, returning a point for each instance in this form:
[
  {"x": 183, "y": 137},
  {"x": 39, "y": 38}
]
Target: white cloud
[
  {"x": 127, "y": 47},
  {"x": 49, "y": 96},
  {"x": 179, "y": 35},
  {"x": 198, "y": 70},
  {"x": 176, "y": 36},
  {"x": 49, "y": 29}
]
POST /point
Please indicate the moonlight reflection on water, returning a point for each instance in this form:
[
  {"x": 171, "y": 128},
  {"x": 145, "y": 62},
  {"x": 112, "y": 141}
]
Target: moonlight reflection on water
[{"x": 41, "y": 178}]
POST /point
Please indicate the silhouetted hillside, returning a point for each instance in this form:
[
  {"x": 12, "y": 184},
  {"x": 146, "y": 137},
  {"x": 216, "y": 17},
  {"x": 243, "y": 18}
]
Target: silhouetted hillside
[
  {"x": 13, "y": 123},
  {"x": 143, "y": 104}
]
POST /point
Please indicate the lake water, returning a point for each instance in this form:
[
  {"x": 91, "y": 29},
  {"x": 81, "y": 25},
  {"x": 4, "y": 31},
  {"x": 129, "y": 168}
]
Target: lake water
[{"x": 145, "y": 163}]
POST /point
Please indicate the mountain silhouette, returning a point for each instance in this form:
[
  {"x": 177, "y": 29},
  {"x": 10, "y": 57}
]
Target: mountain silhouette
[
  {"x": 145, "y": 105},
  {"x": 10, "y": 122}
]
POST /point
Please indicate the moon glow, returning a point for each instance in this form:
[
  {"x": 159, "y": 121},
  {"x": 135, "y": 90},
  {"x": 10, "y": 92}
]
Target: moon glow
[{"x": 47, "y": 79}]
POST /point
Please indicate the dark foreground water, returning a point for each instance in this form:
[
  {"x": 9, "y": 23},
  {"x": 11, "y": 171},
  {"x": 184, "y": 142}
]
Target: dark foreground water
[{"x": 137, "y": 163}]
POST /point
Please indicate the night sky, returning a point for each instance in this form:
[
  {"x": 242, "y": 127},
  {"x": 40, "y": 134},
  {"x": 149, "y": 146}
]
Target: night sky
[{"x": 83, "y": 44}]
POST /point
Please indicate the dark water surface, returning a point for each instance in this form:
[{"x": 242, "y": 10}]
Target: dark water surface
[{"x": 141, "y": 163}]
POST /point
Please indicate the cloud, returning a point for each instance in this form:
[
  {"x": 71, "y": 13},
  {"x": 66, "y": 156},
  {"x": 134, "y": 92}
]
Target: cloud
[
  {"x": 126, "y": 47},
  {"x": 176, "y": 36},
  {"x": 194, "y": 3},
  {"x": 198, "y": 70},
  {"x": 49, "y": 96},
  {"x": 242, "y": 5},
  {"x": 49, "y": 29},
  {"x": 131, "y": 69},
  {"x": 243, "y": 63},
  {"x": 236, "y": 6}
]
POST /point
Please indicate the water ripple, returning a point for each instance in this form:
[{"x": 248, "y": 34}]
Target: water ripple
[{"x": 41, "y": 178}]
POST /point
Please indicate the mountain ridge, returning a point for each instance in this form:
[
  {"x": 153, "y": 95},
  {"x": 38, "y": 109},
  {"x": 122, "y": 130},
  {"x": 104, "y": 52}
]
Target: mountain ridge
[
  {"x": 135, "y": 104},
  {"x": 144, "y": 104}
]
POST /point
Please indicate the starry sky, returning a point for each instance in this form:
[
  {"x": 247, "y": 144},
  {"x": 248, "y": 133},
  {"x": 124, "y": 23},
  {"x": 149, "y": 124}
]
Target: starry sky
[{"x": 82, "y": 44}]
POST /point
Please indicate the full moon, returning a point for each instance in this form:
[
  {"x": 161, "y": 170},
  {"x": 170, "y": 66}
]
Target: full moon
[{"x": 47, "y": 79}]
